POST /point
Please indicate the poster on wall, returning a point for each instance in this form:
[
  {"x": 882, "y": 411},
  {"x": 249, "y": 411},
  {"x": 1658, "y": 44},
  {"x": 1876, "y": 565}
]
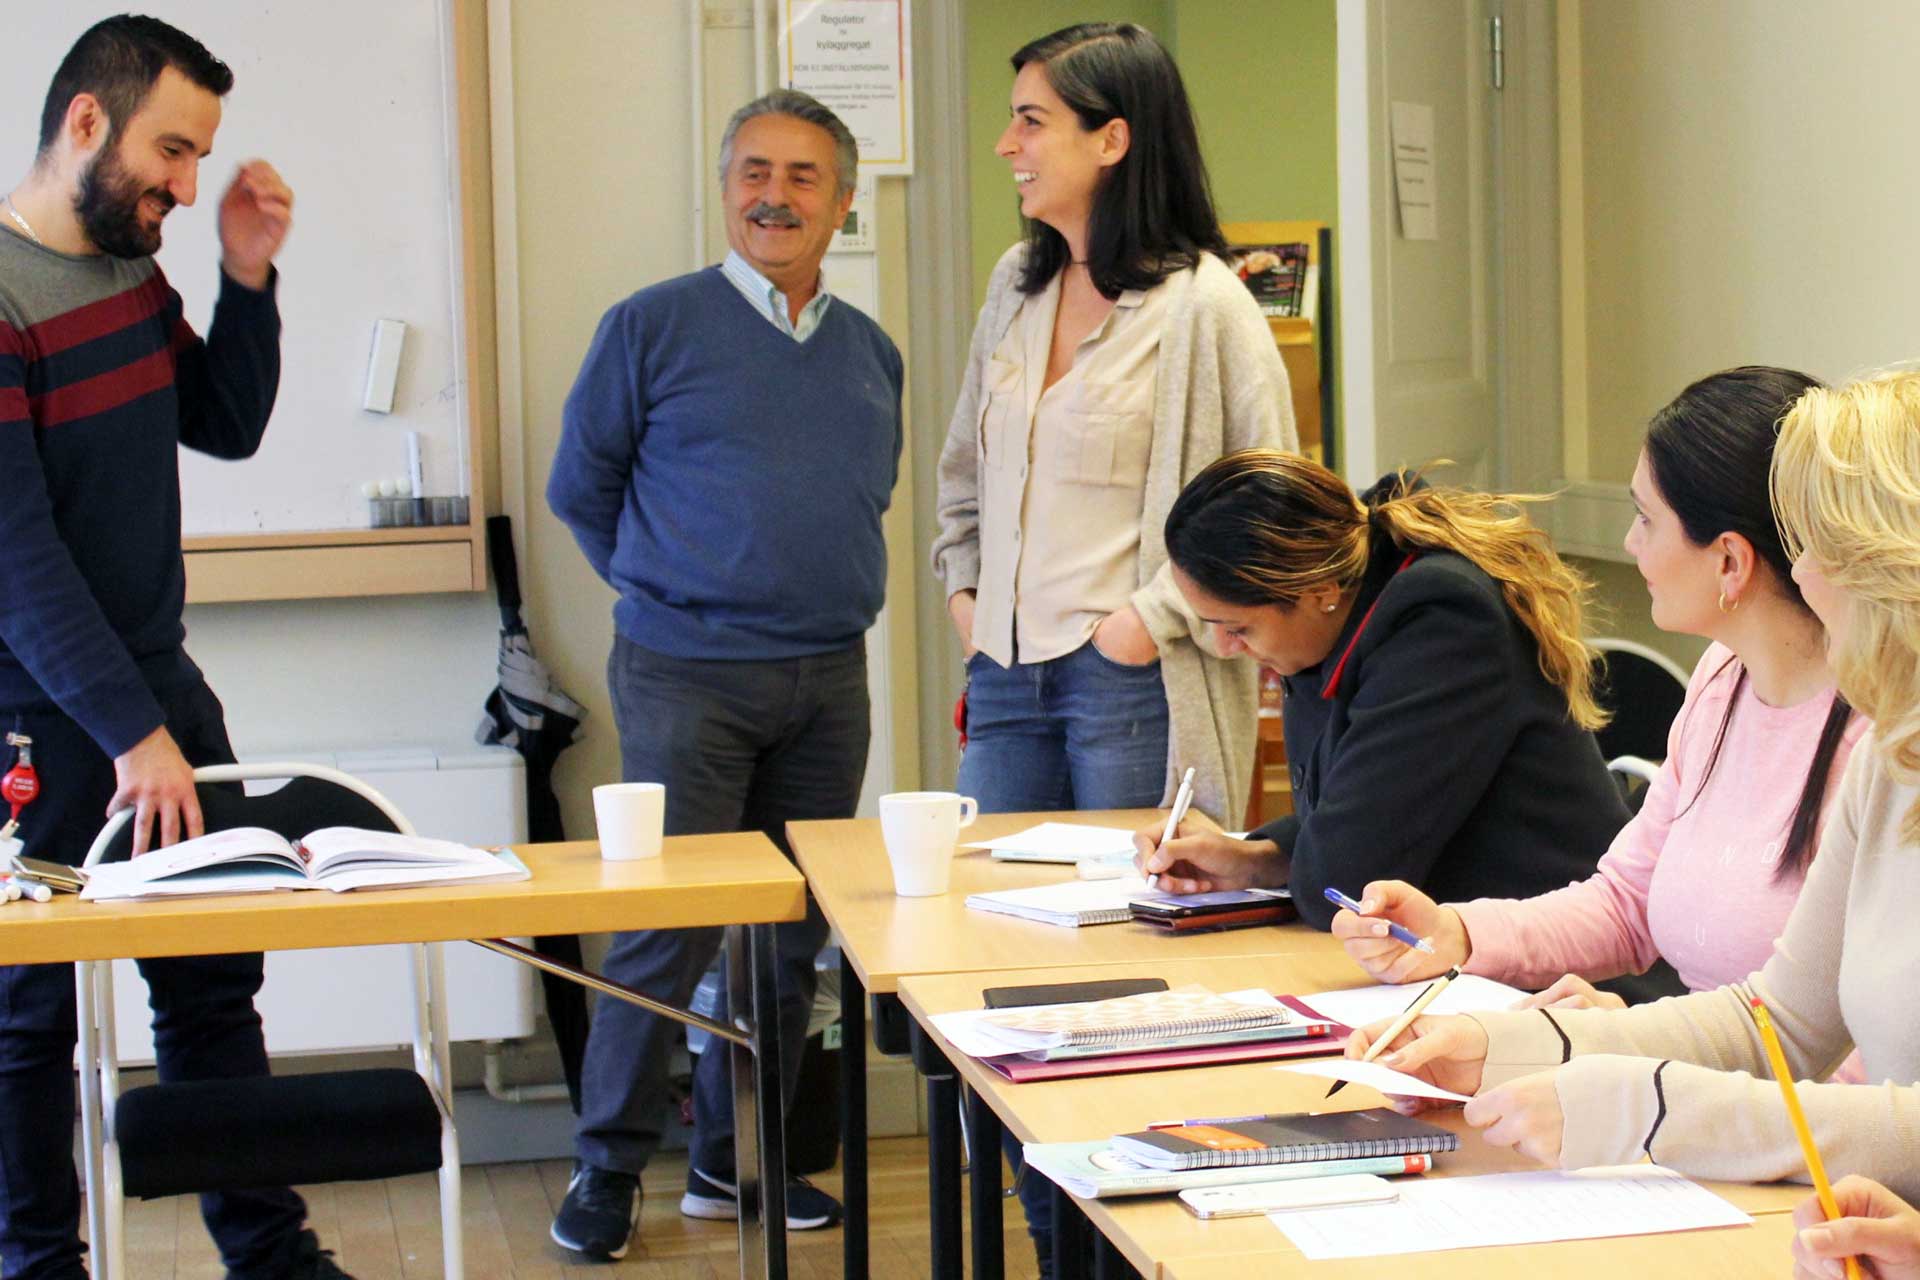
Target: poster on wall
[{"x": 853, "y": 56}]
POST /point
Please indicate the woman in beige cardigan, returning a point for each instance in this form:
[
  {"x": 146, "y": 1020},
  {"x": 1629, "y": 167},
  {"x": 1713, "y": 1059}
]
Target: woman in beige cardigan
[
  {"x": 1115, "y": 356},
  {"x": 1685, "y": 1081}
]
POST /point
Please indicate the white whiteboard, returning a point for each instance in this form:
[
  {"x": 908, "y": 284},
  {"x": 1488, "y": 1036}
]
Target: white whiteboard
[{"x": 349, "y": 100}]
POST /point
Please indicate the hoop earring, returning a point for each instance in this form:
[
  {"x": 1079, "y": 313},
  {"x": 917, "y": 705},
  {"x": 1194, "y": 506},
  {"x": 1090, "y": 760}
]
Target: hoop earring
[{"x": 1723, "y": 603}]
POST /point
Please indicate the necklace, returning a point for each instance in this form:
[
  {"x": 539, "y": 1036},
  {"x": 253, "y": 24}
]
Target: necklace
[{"x": 13, "y": 211}]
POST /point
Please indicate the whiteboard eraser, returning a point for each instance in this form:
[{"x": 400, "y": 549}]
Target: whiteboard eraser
[{"x": 383, "y": 366}]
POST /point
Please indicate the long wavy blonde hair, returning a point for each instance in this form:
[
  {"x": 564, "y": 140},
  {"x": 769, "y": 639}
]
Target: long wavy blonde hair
[
  {"x": 1260, "y": 527},
  {"x": 1846, "y": 490}
]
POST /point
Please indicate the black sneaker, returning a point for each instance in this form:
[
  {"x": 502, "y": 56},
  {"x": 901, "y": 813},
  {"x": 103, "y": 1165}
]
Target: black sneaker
[
  {"x": 597, "y": 1216},
  {"x": 311, "y": 1262},
  {"x": 714, "y": 1196}
]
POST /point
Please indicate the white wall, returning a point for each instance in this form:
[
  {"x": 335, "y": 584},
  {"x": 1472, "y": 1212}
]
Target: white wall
[{"x": 1749, "y": 196}]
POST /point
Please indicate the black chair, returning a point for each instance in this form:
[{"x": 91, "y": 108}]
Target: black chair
[
  {"x": 216, "y": 1135},
  {"x": 1643, "y": 690}
]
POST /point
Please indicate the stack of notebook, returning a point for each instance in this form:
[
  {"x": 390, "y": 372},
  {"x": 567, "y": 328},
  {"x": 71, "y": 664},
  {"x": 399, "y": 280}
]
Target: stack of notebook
[
  {"x": 1097, "y": 1170},
  {"x": 1285, "y": 1139},
  {"x": 1151, "y": 1031}
]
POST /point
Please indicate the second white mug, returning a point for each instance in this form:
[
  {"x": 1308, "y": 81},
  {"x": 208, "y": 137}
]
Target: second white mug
[{"x": 920, "y": 829}]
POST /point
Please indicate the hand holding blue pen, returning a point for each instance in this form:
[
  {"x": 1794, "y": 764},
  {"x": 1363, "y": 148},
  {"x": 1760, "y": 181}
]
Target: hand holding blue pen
[{"x": 1398, "y": 932}]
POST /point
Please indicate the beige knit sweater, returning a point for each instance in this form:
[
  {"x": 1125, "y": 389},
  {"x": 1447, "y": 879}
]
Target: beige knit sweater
[
  {"x": 1845, "y": 972},
  {"x": 1220, "y": 386}
]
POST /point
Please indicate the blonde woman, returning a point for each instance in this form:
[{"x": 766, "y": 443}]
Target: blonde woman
[
  {"x": 1438, "y": 706},
  {"x": 1685, "y": 1081}
]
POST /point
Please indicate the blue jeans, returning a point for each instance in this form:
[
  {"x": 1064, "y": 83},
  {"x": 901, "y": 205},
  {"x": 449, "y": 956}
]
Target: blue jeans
[
  {"x": 741, "y": 746},
  {"x": 1078, "y": 732}
]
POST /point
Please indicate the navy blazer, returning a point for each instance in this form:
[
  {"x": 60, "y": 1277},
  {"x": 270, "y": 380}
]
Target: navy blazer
[{"x": 1441, "y": 755}]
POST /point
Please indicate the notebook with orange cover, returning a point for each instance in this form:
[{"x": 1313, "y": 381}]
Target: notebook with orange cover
[{"x": 1338, "y": 1135}]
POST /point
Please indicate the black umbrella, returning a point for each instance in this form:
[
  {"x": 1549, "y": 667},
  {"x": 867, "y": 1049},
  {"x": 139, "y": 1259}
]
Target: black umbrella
[{"x": 531, "y": 713}]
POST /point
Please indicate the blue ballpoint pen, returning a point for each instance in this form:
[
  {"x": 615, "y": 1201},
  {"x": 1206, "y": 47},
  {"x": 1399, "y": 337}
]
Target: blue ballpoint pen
[{"x": 1399, "y": 931}]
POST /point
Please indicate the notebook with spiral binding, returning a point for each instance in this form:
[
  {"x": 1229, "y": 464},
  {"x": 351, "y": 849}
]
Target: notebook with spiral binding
[
  {"x": 1338, "y": 1135},
  {"x": 1149, "y": 1018}
]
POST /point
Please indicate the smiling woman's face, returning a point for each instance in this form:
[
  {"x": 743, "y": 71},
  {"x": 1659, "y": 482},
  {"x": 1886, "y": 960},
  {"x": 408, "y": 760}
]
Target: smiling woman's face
[{"x": 1056, "y": 163}]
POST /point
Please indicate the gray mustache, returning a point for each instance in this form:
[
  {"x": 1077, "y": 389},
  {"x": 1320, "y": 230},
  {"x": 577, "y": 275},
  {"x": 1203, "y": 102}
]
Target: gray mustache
[{"x": 773, "y": 215}]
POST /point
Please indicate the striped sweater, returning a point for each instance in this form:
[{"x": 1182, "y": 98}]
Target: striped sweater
[{"x": 101, "y": 380}]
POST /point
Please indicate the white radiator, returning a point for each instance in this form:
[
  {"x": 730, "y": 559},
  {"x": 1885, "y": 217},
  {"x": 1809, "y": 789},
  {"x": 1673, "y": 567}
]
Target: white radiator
[{"x": 355, "y": 998}]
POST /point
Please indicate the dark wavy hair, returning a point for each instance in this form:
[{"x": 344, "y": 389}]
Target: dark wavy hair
[
  {"x": 117, "y": 60},
  {"x": 1710, "y": 452},
  {"x": 1153, "y": 211}
]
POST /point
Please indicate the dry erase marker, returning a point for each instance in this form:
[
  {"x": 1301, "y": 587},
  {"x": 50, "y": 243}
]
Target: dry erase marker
[{"x": 1399, "y": 931}]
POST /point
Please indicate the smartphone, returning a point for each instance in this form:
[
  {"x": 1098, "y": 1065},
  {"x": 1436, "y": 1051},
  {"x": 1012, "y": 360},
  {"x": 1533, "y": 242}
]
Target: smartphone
[{"x": 1250, "y": 1198}]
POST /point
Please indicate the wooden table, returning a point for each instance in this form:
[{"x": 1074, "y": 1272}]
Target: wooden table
[
  {"x": 884, "y": 938},
  {"x": 740, "y": 881},
  {"x": 1148, "y": 1231}
]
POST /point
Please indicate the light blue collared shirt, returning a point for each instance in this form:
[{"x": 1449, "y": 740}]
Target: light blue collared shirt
[{"x": 771, "y": 303}]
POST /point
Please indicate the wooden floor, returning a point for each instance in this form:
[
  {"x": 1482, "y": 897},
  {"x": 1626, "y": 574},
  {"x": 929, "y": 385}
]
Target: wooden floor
[{"x": 391, "y": 1230}]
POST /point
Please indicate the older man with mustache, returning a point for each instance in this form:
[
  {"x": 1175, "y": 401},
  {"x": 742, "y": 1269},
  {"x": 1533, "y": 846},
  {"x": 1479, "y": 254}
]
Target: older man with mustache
[{"x": 728, "y": 450}]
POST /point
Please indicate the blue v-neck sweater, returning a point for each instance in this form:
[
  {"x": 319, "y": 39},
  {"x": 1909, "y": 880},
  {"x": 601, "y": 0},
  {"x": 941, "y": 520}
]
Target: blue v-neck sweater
[{"x": 728, "y": 481}]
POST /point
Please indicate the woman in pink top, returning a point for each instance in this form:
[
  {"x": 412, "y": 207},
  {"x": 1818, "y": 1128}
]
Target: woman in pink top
[{"x": 1707, "y": 872}]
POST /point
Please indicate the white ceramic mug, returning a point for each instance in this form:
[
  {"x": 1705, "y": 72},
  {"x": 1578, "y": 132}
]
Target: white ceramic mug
[
  {"x": 629, "y": 817},
  {"x": 920, "y": 829}
]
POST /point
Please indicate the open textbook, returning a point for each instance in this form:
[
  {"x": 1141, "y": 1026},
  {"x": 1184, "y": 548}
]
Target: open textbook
[{"x": 255, "y": 860}]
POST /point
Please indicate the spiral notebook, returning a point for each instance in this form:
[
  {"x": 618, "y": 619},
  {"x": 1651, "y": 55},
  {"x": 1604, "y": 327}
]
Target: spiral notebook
[
  {"x": 1338, "y": 1135},
  {"x": 1150, "y": 1018},
  {"x": 1072, "y": 903}
]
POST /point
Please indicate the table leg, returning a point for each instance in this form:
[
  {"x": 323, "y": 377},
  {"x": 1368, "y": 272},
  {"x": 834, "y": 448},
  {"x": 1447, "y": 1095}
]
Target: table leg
[
  {"x": 1069, "y": 1238},
  {"x": 1108, "y": 1262},
  {"x": 853, "y": 1118},
  {"x": 943, "y": 1155},
  {"x": 989, "y": 1239},
  {"x": 759, "y": 1138}
]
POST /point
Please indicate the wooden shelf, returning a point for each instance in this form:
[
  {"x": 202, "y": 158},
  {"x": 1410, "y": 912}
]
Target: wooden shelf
[{"x": 434, "y": 560}]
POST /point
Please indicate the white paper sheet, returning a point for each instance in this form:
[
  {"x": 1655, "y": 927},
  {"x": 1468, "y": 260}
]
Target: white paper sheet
[
  {"x": 1062, "y": 842},
  {"x": 1510, "y": 1208},
  {"x": 1373, "y": 1075},
  {"x": 1467, "y": 993},
  {"x": 966, "y": 1031}
]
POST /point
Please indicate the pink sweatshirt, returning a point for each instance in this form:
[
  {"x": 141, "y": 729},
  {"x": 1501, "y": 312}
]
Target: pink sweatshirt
[{"x": 1697, "y": 886}]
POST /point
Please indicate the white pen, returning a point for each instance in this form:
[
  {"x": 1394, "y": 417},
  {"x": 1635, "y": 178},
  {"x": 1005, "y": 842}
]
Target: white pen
[{"x": 1181, "y": 799}]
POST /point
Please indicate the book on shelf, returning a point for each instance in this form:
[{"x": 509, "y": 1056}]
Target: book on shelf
[
  {"x": 1152, "y": 1019},
  {"x": 1276, "y": 275},
  {"x": 255, "y": 860},
  {"x": 1096, "y": 1171},
  {"x": 1286, "y": 1139}
]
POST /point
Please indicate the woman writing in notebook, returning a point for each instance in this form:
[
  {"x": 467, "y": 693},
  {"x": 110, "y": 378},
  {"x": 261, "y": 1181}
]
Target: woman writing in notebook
[
  {"x": 1116, "y": 354},
  {"x": 1438, "y": 702},
  {"x": 1707, "y": 871},
  {"x": 1685, "y": 1081}
]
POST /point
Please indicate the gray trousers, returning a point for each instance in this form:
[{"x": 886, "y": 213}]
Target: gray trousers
[{"x": 741, "y": 746}]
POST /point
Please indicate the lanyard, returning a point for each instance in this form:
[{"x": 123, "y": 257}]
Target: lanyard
[{"x": 1340, "y": 667}]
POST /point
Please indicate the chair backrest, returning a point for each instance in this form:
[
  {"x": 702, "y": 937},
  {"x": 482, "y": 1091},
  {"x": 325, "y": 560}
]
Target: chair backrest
[
  {"x": 1643, "y": 690},
  {"x": 314, "y": 797}
]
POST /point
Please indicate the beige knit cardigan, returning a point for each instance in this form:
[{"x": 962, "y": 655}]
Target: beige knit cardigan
[{"x": 1220, "y": 386}]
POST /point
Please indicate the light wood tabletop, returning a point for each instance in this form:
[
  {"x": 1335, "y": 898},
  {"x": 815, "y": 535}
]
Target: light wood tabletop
[
  {"x": 738, "y": 878},
  {"x": 1724, "y": 1253},
  {"x": 887, "y": 936},
  {"x": 1151, "y": 1229}
]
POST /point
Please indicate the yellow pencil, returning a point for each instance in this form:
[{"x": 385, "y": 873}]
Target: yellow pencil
[{"x": 1778, "y": 1058}]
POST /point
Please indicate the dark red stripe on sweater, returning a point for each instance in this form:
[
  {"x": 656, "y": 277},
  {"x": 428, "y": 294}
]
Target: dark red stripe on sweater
[
  {"x": 106, "y": 391},
  {"x": 98, "y": 319},
  {"x": 11, "y": 344}
]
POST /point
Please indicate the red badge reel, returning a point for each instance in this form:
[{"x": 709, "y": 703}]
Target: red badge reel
[{"x": 20, "y": 785}]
